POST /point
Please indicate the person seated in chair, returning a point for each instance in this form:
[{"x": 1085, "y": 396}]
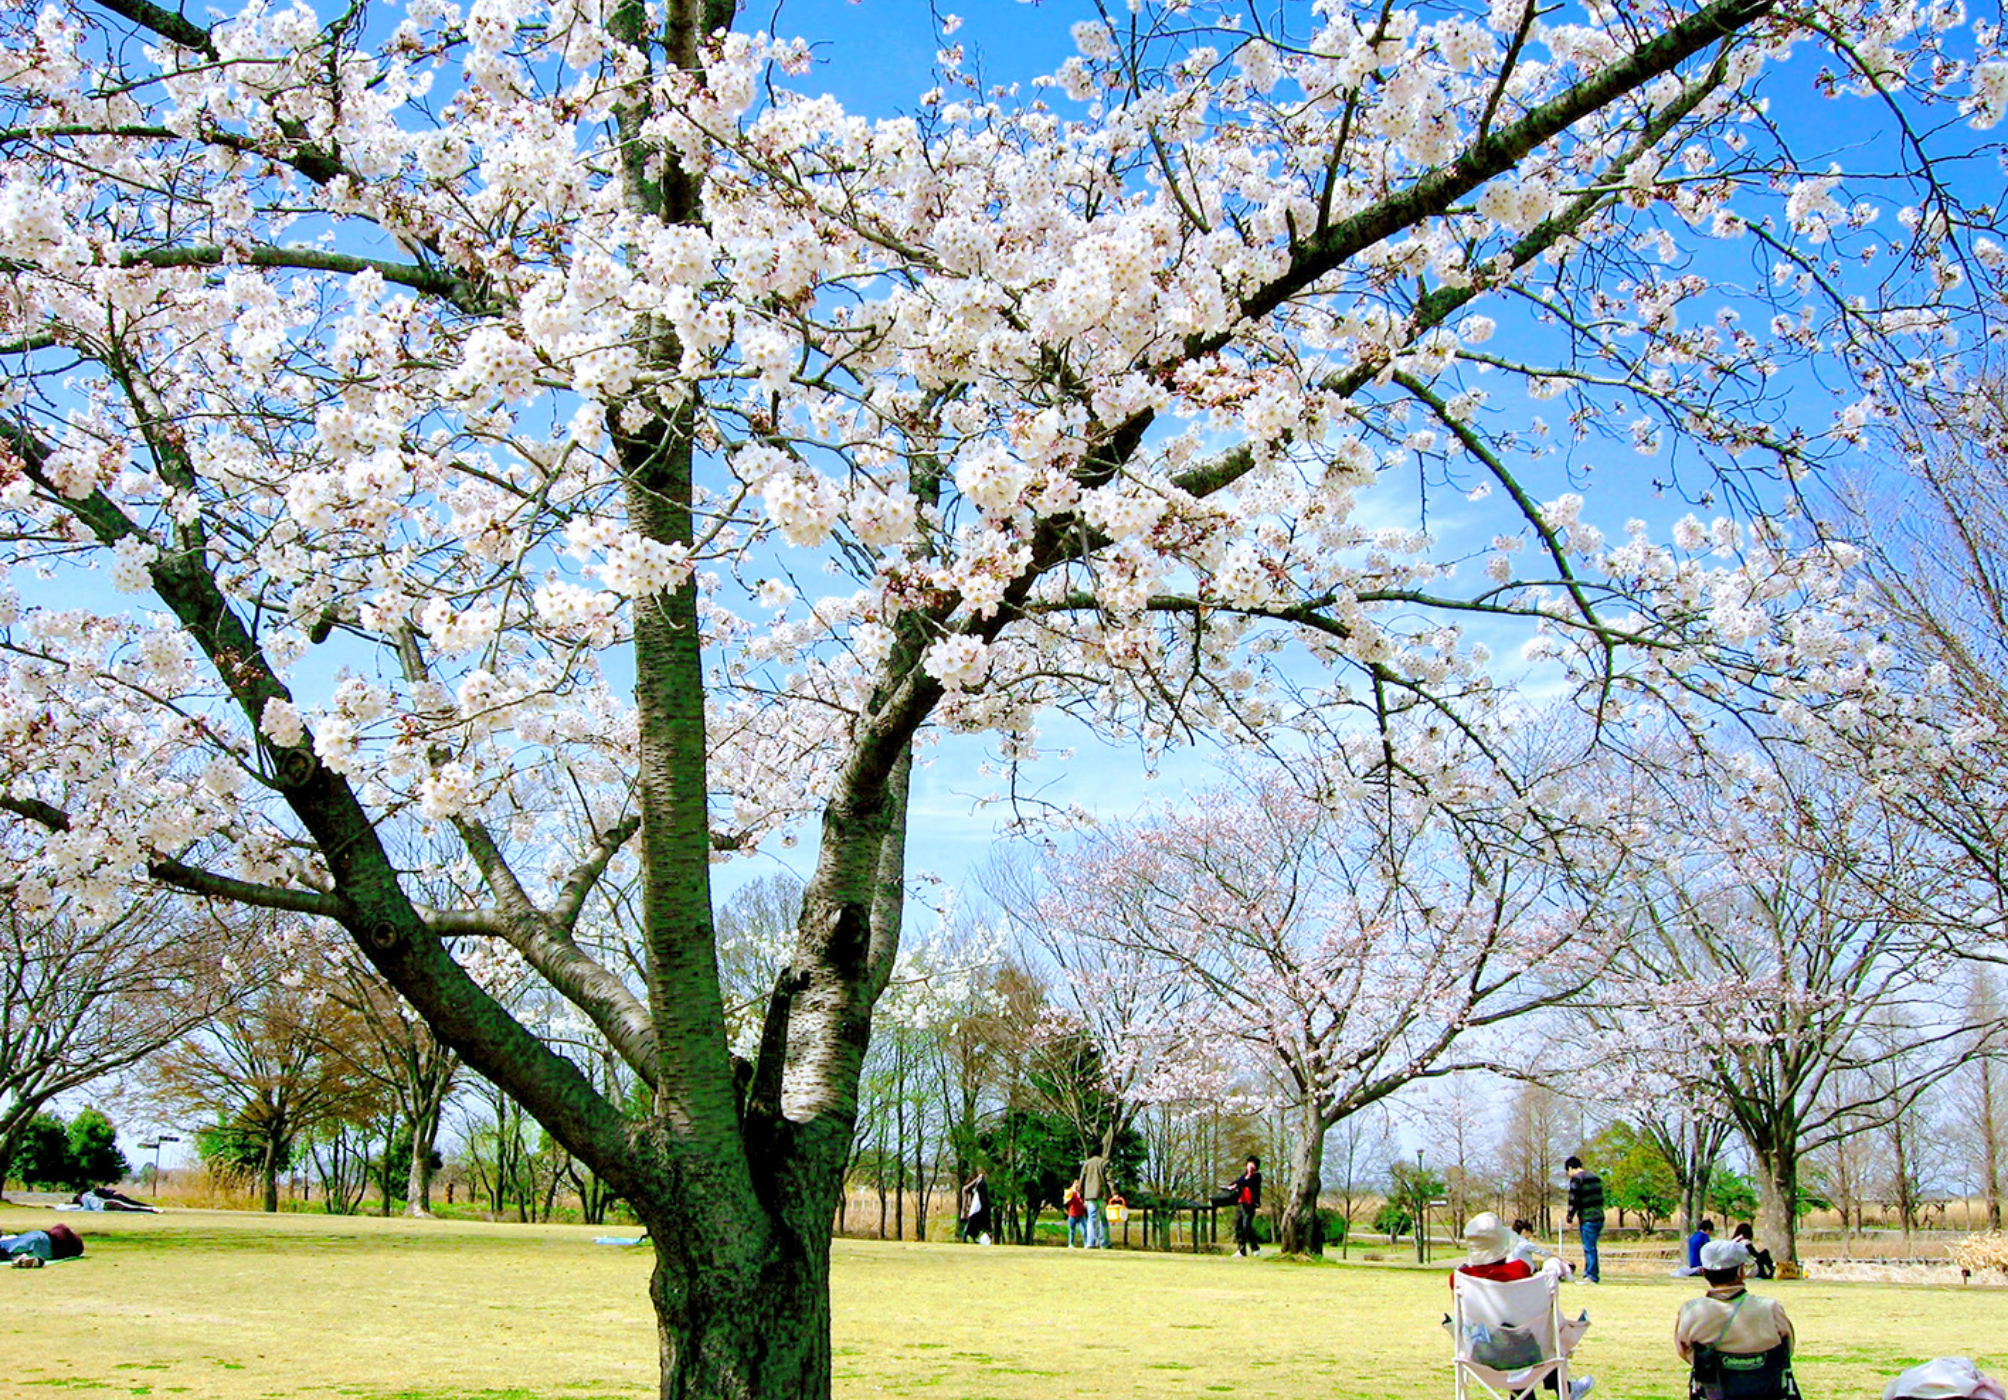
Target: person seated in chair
[
  {"x": 1490, "y": 1255},
  {"x": 1738, "y": 1344}
]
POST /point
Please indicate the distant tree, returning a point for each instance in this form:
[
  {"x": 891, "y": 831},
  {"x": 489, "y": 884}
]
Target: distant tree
[
  {"x": 1731, "y": 1194},
  {"x": 41, "y": 1153},
  {"x": 1981, "y": 1097},
  {"x": 243, "y": 1145},
  {"x": 1531, "y": 1154},
  {"x": 1347, "y": 946},
  {"x": 338, "y": 1153},
  {"x": 261, "y": 1072},
  {"x": 1391, "y": 1220},
  {"x": 1457, "y": 1118},
  {"x": 1411, "y": 1188},
  {"x": 383, "y": 1041},
  {"x": 1358, "y": 1150},
  {"x": 1030, "y": 1156},
  {"x": 1786, "y": 955},
  {"x": 53, "y": 1155},
  {"x": 95, "y": 1159},
  {"x": 1637, "y": 1176},
  {"x": 81, "y": 1000}
]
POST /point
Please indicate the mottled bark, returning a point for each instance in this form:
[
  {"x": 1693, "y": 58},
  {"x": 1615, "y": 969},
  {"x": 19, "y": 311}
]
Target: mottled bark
[
  {"x": 1777, "y": 1211},
  {"x": 1298, "y": 1232},
  {"x": 758, "y": 1327}
]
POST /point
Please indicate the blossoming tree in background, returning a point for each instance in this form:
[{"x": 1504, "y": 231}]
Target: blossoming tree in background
[
  {"x": 1343, "y": 949},
  {"x": 1132, "y": 1027},
  {"x": 1784, "y": 970},
  {"x": 550, "y": 425}
]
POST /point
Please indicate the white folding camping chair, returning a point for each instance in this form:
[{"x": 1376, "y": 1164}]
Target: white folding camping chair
[{"x": 1510, "y": 1337}]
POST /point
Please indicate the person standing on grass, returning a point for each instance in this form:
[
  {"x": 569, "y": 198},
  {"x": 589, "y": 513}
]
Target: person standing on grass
[
  {"x": 1586, "y": 1212},
  {"x": 1247, "y": 1193},
  {"x": 976, "y": 1210},
  {"x": 1095, "y": 1198},
  {"x": 1077, "y": 1215}
]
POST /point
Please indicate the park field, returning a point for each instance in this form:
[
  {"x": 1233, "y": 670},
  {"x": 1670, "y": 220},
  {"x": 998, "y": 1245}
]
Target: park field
[{"x": 244, "y": 1307}]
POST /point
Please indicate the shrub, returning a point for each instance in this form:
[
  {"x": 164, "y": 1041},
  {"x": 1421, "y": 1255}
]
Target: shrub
[
  {"x": 73, "y": 1156},
  {"x": 1978, "y": 1253}
]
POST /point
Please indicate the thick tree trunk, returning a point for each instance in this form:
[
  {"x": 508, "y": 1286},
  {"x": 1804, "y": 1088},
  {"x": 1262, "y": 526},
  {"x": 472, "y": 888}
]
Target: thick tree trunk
[
  {"x": 1778, "y": 1214},
  {"x": 418, "y": 1181},
  {"x": 749, "y": 1329},
  {"x": 268, "y": 1171},
  {"x": 1298, "y": 1233}
]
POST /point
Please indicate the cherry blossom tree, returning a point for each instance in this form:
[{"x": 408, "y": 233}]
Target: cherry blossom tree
[
  {"x": 1112, "y": 1004},
  {"x": 1935, "y": 530},
  {"x": 1785, "y": 967},
  {"x": 434, "y": 374},
  {"x": 1349, "y": 949}
]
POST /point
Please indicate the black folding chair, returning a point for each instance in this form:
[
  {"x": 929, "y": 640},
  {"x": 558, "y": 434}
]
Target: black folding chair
[{"x": 1722, "y": 1375}]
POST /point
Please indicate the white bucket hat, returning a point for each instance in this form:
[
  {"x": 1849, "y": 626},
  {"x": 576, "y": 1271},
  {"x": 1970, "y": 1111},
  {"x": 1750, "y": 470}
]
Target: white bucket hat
[
  {"x": 1487, "y": 1239},
  {"x": 1724, "y": 1254}
]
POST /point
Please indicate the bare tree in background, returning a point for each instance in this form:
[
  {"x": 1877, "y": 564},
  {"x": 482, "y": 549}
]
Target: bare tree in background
[
  {"x": 263, "y": 1070},
  {"x": 81, "y": 1001},
  {"x": 1980, "y": 1096},
  {"x": 389, "y": 1043},
  {"x": 1533, "y": 1145}
]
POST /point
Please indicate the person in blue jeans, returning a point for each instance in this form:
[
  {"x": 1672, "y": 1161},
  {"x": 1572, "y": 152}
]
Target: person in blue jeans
[
  {"x": 1586, "y": 1211},
  {"x": 1095, "y": 1195}
]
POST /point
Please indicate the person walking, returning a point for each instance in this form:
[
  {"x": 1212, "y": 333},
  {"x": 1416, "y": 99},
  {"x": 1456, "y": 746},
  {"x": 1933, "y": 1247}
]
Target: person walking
[
  {"x": 976, "y": 1210},
  {"x": 1095, "y": 1198},
  {"x": 1247, "y": 1194},
  {"x": 1586, "y": 1212}
]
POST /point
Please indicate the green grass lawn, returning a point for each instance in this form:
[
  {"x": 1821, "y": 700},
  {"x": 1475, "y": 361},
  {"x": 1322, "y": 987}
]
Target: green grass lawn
[{"x": 233, "y": 1305}]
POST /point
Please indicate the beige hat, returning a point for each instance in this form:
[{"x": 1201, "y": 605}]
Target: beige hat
[{"x": 1487, "y": 1239}]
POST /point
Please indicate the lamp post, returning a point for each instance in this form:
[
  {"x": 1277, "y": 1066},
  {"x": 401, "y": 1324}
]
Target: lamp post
[{"x": 153, "y": 1143}]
